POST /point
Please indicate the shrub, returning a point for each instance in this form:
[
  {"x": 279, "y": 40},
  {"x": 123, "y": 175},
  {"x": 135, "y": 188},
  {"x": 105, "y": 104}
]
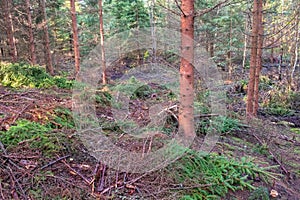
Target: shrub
[{"x": 19, "y": 75}]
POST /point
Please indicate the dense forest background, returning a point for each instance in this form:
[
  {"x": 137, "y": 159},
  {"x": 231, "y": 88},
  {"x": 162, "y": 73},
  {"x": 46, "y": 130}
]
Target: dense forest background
[{"x": 45, "y": 48}]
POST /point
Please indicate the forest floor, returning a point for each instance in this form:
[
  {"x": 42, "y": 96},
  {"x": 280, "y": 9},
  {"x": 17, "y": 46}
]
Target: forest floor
[{"x": 67, "y": 171}]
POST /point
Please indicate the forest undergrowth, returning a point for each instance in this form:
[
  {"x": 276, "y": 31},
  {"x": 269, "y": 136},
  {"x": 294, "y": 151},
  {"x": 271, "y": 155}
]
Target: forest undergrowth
[{"x": 41, "y": 156}]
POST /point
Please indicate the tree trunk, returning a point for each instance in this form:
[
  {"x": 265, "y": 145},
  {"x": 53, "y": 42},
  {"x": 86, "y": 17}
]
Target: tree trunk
[
  {"x": 153, "y": 36},
  {"x": 245, "y": 46},
  {"x": 49, "y": 66},
  {"x": 294, "y": 52},
  {"x": 186, "y": 112},
  {"x": 253, "y": 61},
  {"x": 259, "y": 56},
  {"x": 75, "y": 38},
  {"x": 103, "y": 60},
  {"x": 229, "y": 54},
  {"x": 10, "y": 30},
  {"x": 31, "y": 37}
]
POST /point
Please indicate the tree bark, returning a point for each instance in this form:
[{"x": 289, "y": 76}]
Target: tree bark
[
  {"x": 49, "y": 66},
  {"x": 253, "y": 61},
  {"x": 245, "y": 45},
  {"x": 294, "y": 52},
  {"x": 103, "y": 60},
  {"x": 31, "y": 36},
  {"x": 259, "y": 56},
  {"x": 10, "y": 30},
  {"x": 186, "y": 112},
  {"x": 75, "y": 37}
]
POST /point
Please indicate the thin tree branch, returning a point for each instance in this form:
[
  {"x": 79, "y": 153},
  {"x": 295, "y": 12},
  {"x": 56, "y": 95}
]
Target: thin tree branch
[
  {"x": 177, "y": 4},
  {"x": 172, "y": 11},
  {"x": 207, "y": 10}
]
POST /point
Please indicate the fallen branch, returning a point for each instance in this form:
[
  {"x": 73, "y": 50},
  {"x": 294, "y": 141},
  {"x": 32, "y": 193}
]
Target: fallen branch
[
  {"x": 54, "y": 161},
  {"x": 77, "y": 173},
  {"x": 19, "y": 113},
  {"x": 270, "y": 152}
]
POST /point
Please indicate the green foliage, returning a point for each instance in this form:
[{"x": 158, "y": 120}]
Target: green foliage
[
  {"x": 214, "y": 176},
  {"x": 279, "y": 111},
  {"x": 125, "y": 15},
  {"x": 296, "y": 130},
  {"x": 261, "y": 149},
  {"x": 134, "y": 88},
  {"x": 282, "y": 103},
  {"x": 19, "y": 75},
  {"x": 63, "y": 117},
  {"x": 35, "y": 134},
  {"x": 221, "y": 124},
  {"x": 260, "y": 193}
]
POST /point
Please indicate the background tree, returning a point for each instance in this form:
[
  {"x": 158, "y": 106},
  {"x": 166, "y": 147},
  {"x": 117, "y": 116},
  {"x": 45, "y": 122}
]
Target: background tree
[
  {"x": 31, "y": 35},
  {"x": 49, "y": 66},
  {"x": 75, "y": 37},
  {"x": 103, "y": 61},
  {"x": 10, "y": 30}
]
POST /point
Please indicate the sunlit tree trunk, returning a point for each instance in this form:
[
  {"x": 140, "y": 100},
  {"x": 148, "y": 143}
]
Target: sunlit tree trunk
[
  {"x": 294, "y": 52},
  {"x": 49, "y": 66},
  {"x": 259, "y": 56},
  {"x": 10, "y": 30},
  {"x": 245, "y": 45},
  {"x": 31, "y": 37},
  {"x": 103, "y": 60},
  {"x": 75, "y": 37},
  {"x": 186, "y": 112},
  {"x": 253, "y": 60}
]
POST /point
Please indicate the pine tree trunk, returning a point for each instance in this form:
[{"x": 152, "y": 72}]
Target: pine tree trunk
[
  {"x": 49, "y": 66},
  {"x": 31, "y": 37},
  {"x": 10, "y": 30},
  {"x": 103, "y": 60},
  {"x": 294, "y": 52},
  {"x": 259, "y": 56},
  {"x": 253, "y": 61},
  {"x": 186, "y": 112},
  {"x": 245, "y": 46},
  {"x": 75, "y": 37}
]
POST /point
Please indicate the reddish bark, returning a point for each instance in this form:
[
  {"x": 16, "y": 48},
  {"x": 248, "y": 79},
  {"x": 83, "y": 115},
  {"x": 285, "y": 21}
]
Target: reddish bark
[
  {"x": 186, "y": 113},
  {"x": 253, "y": 61},
  {"x": 75, "y": 37},
  {"x": 10, "y": 30},
  {"x": 49, "y": 66},
  {"x": 259, "y": 56},
  {"x": 31, "y": 37},
  {"x": 103, "y": 61}
]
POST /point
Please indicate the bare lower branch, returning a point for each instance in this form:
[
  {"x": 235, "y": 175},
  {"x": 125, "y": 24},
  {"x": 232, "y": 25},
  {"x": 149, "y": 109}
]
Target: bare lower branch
[{"x": 207, "y": 10}]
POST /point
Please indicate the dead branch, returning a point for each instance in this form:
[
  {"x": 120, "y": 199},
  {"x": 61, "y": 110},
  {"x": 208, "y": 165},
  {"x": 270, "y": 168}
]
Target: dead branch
[
  {"x": 207, "y": 10},
  {"x": 172, "y": 11},
  {"x": 54, "y": 161},
  {"x": 178, "y": 6},
  {"x": 77, "y": 173},
  {"x": 101, "y": 185},
  {"x": 272, "y": 154},
  {"x": 19, "y": 113}
]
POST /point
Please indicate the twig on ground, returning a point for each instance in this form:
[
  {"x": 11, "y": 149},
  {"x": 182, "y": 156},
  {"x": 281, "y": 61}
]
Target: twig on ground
[
  {"x": 101, "y": 185},
  {"x": 54, "y": 161},
  {"x": 19, "y": 113},
  {"x": 119, "y": 183},
  {"x": 15, "y": 181},
  {"x": 77, "y": 173},
  {"x": 1, "y": 191},
  {"x": 270, "y": 152}
]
